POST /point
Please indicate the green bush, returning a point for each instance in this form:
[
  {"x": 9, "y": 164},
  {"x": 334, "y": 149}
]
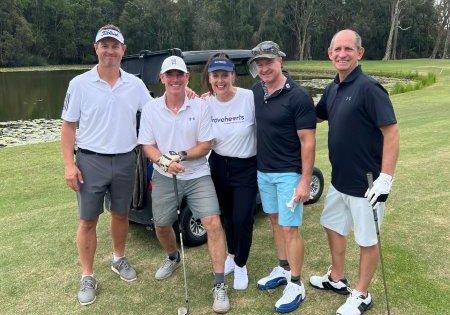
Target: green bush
[{"x": 420, "y": 82}]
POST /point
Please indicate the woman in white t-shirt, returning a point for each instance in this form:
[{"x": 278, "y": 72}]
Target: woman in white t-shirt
[{"x": 233, "y": 161}]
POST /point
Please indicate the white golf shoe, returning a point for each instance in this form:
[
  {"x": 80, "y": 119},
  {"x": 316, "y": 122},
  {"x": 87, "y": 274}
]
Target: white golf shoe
[
  {"x": 326, "y": 283},
  {"x": 221, "y": 303},
  {"x": 356, "y": 304},
  {"x": 293, "y": 296},
  {"x": 240, "y": 278},
  {"x": 229, "y": 265},
  {"x": 278, "y": 276}
]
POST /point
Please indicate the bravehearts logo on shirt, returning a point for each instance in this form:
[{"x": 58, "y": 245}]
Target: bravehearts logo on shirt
[{"x": 228, "y": 119}]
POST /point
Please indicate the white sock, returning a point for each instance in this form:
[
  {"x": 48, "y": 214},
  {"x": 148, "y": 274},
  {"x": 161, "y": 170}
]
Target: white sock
[
  {"x": 83, "y": 275},
  {"x": 116, "y": 258}
]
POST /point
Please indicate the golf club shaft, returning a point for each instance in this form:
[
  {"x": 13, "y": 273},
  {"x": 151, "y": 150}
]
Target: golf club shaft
[
  {"x": 175, "y": 186},
  {"x": 375, "y": 218}
]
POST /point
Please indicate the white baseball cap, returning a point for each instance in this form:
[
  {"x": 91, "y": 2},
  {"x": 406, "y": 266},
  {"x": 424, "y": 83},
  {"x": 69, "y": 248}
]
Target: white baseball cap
[
  {"x": 108, "y": 32},
  {"x": 173, "y": 63}
]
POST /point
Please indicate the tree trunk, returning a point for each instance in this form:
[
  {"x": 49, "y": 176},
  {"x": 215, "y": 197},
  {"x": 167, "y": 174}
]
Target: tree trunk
[
  {"x": 394, "y": 42},
  {"x": 304, "y": 35},
  {"x": 395, "y": 12},
  {"x": 308, "y": 48},
  {"x": 297, "y": 18},
  {"x": 387, "y": 53},
  {"x": 301, "y": 55},
  {"x": 447, "y": 39},
  {"x": 443, "y": 12},
  {"x": 437, "y": 44}
]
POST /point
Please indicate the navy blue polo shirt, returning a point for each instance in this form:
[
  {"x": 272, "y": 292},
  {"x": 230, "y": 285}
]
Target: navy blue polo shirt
[
  {"x": 278, "y": 117},
  {"x": 355, "y": 108}
]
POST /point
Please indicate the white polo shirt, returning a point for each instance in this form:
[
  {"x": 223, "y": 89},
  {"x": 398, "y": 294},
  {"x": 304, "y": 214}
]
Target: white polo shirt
[
  {"x": 106, "y": 116},
  {"x": 233, "y": 125},
  {"x": 177, "y": 132}
]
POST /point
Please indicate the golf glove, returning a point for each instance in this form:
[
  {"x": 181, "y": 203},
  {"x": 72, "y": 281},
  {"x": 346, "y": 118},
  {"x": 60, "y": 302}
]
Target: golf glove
[
  {"x": 166, "y": 159},
  {"x": 380, "y": 189}
]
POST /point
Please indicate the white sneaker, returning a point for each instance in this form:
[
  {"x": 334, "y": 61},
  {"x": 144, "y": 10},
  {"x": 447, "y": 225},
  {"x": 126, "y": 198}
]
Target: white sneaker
[
  {"x": 167, "y": 268},
  {"x": 293, "y": 296},
  {"x": 278, "y": 276},
  {"x": 326, "y": 283},
  {"x": 229, "y": 265},
  {"x": 240, "y": 278},
  {"x": 356, "y": 304},
  {"x": 221, "y": 303}
]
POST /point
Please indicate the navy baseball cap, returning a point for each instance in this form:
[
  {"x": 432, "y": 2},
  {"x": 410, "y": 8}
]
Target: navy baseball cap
[{"x": 221, "y": 64}]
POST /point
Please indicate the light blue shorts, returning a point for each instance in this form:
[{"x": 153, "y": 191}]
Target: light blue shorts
[{"x": 276, "y": 190}]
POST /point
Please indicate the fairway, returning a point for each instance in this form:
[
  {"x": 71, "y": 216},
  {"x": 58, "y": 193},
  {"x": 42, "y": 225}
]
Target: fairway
[{"x": 39, "y": 263}]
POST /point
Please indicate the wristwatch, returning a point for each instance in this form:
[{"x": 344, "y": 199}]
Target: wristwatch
[{"x": 183, "y": 155}]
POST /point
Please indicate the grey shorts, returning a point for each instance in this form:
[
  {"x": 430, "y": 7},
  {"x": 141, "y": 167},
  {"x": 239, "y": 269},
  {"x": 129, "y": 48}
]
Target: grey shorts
[
  {"x": 199, "y": 192},
  {"x": 101, "y": 174}
]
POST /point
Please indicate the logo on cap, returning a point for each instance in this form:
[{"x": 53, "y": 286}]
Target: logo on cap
[{"x": 104, "y": 33}]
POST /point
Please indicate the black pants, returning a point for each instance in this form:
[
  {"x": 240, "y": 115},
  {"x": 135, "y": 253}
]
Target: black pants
[{"x": 236, "y": 187}]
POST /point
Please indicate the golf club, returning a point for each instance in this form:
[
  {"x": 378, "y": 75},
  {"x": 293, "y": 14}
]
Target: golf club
[
  {"x": 182, "y": 310},
  {"x": 375, "y": 218}
]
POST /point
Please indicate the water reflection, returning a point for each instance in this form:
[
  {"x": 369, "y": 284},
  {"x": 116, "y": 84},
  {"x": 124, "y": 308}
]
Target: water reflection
[
  {"x": 29, "y": 95},
  {"x": 36, "y": 94}
]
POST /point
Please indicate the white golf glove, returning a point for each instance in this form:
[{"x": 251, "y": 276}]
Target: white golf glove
[
  {"x": 166, "y": 159},
  {"x": 380, "y": 189}
]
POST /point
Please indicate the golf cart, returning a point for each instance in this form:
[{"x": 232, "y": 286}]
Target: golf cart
[{"x": 146, "y": 65}]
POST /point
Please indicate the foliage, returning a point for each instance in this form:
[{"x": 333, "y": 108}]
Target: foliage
[
  {"x": 421, "y": 82},
  {"x": 62, "y": 31}
]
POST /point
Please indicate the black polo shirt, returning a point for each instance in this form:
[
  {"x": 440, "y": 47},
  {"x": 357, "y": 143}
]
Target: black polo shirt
[
  {"x": 355, "y": 108},
  {"x": 278, "y": 117}
]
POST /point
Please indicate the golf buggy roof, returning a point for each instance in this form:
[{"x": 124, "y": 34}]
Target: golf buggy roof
[{"x": 147, "y": 64}]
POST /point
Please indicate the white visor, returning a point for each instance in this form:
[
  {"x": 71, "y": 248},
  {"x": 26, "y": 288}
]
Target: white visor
[{"x": 109, "y": 33}]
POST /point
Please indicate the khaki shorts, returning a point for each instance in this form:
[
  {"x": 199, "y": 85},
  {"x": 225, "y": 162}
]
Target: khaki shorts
[
  {"x": 200, "y": 196},
  {"x": 343, "y": 212}
]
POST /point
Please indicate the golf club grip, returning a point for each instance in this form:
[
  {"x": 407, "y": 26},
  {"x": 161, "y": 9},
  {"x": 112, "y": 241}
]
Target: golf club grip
[{"x": 370, "y": 179}]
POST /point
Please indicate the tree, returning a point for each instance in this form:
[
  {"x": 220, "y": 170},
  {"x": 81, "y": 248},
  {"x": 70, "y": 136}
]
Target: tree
[
  {"x": 15, "y": 35},
  {"x": 396, "y": 10},
  {"x": 297, "y": 17},
  {"x": 447, "y": 40},
  {"x": 443, "y": 11}
]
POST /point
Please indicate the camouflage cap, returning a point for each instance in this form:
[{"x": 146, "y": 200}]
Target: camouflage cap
[{"x": 266, "y": 49}]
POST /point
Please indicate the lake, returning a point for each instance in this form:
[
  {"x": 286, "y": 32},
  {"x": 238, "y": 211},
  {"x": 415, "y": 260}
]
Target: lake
[
  {"x": 31, "y": 101},
  {"x": 40, "y": 94}
]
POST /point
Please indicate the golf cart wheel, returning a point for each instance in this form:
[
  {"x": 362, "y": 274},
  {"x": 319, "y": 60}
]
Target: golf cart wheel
[
  {"x": 317, "y": 183},
  {"x": 194, "y": 233}
]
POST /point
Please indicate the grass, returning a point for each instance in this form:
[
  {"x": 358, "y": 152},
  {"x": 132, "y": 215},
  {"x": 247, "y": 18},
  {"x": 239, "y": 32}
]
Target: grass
[{"x": 39, "y": 265}]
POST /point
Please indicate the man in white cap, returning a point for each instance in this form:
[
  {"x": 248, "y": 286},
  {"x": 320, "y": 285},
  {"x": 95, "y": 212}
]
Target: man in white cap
[
  {"x": 103, "y": 102},
  {"x": 176, "y": 134}
]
